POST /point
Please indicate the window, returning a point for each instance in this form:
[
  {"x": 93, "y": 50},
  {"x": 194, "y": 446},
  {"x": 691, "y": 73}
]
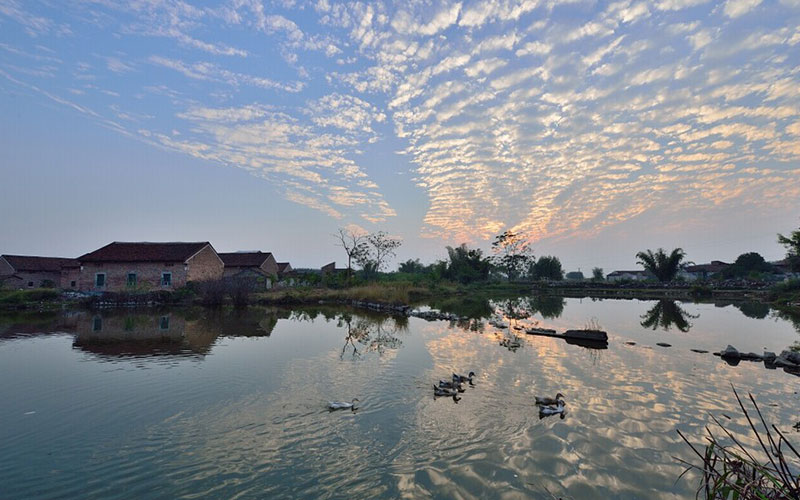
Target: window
[
  {"x": 30, "y": 284},
  {"x": 164, "y": 323},
  {"x": 166, "y": 279},
  {"x": 131, "y": 279},
  {"x": 100, "y": 280},
  {"x": 97, "y": 324},
  {"x": 73, "y": 284}
]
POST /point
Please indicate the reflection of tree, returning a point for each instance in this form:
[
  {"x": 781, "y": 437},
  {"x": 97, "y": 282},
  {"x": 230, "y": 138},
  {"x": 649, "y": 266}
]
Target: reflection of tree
[
  {"x": 756, "y": 310},
  {"x": 515, "y": 309},
  {"x": 549, "y": 306},
  {"x": 370, "y": 333},
  {"x": 667, "y": 313}
]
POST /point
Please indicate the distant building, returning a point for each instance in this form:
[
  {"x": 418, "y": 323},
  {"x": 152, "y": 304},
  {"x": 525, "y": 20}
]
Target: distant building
[
  {"x": 284, "y": 268},
  {"x": 332, "y": 269},
  {"x": 629, "y": 276},
  {"x": 26, "y": 271},
  {"x": 702, "y": 272},
  {"x": 121, "y": 266},
  {"x": 236, "y": 262}
]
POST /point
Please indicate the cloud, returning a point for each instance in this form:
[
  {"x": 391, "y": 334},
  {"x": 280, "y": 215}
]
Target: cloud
[{"x": 736, "y": 8}]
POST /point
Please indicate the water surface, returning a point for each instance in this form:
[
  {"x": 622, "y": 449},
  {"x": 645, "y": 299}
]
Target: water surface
[{"x": 198, "y": 404}]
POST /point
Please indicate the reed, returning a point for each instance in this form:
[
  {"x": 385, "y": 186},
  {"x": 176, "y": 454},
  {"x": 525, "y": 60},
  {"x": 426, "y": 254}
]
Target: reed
[{"x": 734, "y": 472}]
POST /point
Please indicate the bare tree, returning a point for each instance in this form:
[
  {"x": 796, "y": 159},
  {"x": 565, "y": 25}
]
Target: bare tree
[{"x": 354, "y": 245}]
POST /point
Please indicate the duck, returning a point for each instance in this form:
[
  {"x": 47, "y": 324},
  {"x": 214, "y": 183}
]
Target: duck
[
  {"x": 559, "y": 399},
  {"x": 547, "y": 410},
  {"x": 342, "y": 405},
  {"x": 462, "y": 378},
  {"x": 442, "y": 391},
  {"x": 444, "y": 384}
]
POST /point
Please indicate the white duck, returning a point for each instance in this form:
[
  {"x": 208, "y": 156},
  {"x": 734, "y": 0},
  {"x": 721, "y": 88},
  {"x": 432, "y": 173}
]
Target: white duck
[{"x": 342, "y": 405}]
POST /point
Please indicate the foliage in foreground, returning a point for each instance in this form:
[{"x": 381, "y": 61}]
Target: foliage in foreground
[
  {"x": 24, "y": 296},
  {"x": 734, "y": 472}
]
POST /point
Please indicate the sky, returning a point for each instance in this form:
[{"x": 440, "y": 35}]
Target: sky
[{"x": 596, "y": 129}]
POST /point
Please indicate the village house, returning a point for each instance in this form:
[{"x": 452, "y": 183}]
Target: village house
[
  {"x": 25, "y": 271},
  {"x": 702, "y": 272},
  {"x": 260, "y": 267},
  {"x": 146, "y": 266},
  {"x": 332, "y": 269},
  {"x": 629, "y": 276}
]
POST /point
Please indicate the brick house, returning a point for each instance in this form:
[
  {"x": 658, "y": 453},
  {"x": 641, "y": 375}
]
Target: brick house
[
  {"x": 260, "y": 267},
  {"x": 26, "y": 271},
  {"x": 121, "y": 266}
]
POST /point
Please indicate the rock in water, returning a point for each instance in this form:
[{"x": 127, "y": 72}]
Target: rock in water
[{"x": 730, "y": 352}]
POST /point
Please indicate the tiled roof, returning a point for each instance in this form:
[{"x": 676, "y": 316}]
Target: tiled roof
[
  {"x": 119, "y": 251},
  {"x": 714, "y": 267},
  {"x": 244, "y": 259},
  {"x": 618, "y": 273},
  {"x": 282, "y": 266},
  {"x": 30, "y": 263}
]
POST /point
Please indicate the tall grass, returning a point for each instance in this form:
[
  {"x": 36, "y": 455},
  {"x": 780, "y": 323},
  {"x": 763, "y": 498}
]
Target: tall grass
[{"x": 732, "y": 471}]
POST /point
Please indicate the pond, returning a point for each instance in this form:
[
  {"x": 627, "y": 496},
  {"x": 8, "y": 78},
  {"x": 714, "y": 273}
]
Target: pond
[{"x": 232, "y": 404}]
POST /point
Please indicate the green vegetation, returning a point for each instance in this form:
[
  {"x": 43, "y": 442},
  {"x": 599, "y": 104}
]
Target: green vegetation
[
  {"x": 512, "y": 254},
  {"x": 19, "y": 297},
  {"x": 732, "y": 471},
  {"x": 597, "y": 274},
  {"x": 664, "y": 267},
  {"x": 748, "y": 265},
  {"x": 547, "y": 268},
  {"x": 792, "y": 245}
]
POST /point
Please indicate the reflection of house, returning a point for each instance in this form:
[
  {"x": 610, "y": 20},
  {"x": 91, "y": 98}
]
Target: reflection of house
[
  {"x": 629, "y": 276},
  {"x": 260, "y": 267},
  {"x": 158, "y": 334},
  {"x": 702, "y": 271},
  {"x": 23, "y": 271},
  {"x": 123, "y": 266}
]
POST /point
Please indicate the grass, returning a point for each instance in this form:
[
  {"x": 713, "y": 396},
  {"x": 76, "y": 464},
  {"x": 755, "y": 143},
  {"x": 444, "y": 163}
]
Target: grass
[
  {"x": 394, "y": 293},
  {"x": 18, "y": 297},
  {"x": 731, "y": 471}
]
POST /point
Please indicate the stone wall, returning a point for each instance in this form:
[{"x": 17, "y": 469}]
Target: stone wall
[{"x": 148, "y": 276}]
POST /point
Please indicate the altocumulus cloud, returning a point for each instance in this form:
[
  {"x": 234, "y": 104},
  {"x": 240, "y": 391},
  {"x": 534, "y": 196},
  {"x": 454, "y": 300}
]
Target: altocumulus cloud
[{"x": 556, "y": 118}]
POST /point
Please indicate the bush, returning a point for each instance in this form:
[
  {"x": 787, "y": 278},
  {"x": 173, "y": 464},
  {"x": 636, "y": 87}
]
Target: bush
[
  {"x": 212, "y": 292},
  {"x": 23, "y": 296}
]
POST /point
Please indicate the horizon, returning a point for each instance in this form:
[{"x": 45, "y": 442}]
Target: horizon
[{"x": 590, "y": 127}]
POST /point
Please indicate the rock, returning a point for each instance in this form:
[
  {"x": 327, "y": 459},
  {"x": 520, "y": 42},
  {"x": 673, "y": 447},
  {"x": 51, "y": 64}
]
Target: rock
[
  {"x": 730, "y": 352},
  {"x": 769, "y": 357},
  {"x": 630, "y": 343},
  {"x": 663, "y": 344},
  {"x": 750, "y": 356},
  {"x": 700, "y": 351},
  {"x": 792, "y": 356},
  {"x": 785, "y": 360}
]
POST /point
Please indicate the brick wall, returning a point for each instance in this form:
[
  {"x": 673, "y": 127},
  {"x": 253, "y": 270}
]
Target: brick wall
[
  {"x": 205, "y": 265},
  {"x": 148, "y": 276}
]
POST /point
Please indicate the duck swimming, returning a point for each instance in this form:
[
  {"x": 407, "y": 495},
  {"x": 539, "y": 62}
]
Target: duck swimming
[
  {"x": 341, "y": 405},
  {"x": 443, "y": 391},
  {"x": 547, "y": 410},
  {"x": 550, "y": 401},
  {"x": 461, "y": 378},
  {"x": 444, "y": 384}
]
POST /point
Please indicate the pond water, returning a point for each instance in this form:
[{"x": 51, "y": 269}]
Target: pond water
[{"x": 201, "y": 404}]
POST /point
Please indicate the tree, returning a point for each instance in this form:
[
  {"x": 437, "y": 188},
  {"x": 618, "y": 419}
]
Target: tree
[
  {"x": 751, "y": 263},
  {"x": 354, "y": 244},
  {"x": 412, "y": 267},
  {"x": 547, "y": 268},
  {"x": 664, "y": 267},
  {"x": 466, "y": 265},
  {"x": 381, "y": 247},
  {"x": 792, "y": 244},
  {"x": 597, "y": 274},
  {"x": 512, "y": 253}
]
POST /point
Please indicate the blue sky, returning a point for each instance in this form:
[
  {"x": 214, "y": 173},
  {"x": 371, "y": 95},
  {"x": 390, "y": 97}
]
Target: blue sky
[{"x": 597, "y": 128}]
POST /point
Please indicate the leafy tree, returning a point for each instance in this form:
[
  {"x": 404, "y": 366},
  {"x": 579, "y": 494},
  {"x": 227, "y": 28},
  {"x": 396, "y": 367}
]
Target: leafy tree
[
  {"x": 354, "y": 245},
  {"x": 664, "y": 267},
  {"x": 597, "y": 274},
  {"x": 381, "y": 247},
  {"x": 747, "y": 264},
  {"x": 412, "y": 267},
  {"x": 511, "y": 253},
  {"x": 466, "y": 265},
  {"x": 547, "y": 268},
  {"x": 792, "y": 244}
]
